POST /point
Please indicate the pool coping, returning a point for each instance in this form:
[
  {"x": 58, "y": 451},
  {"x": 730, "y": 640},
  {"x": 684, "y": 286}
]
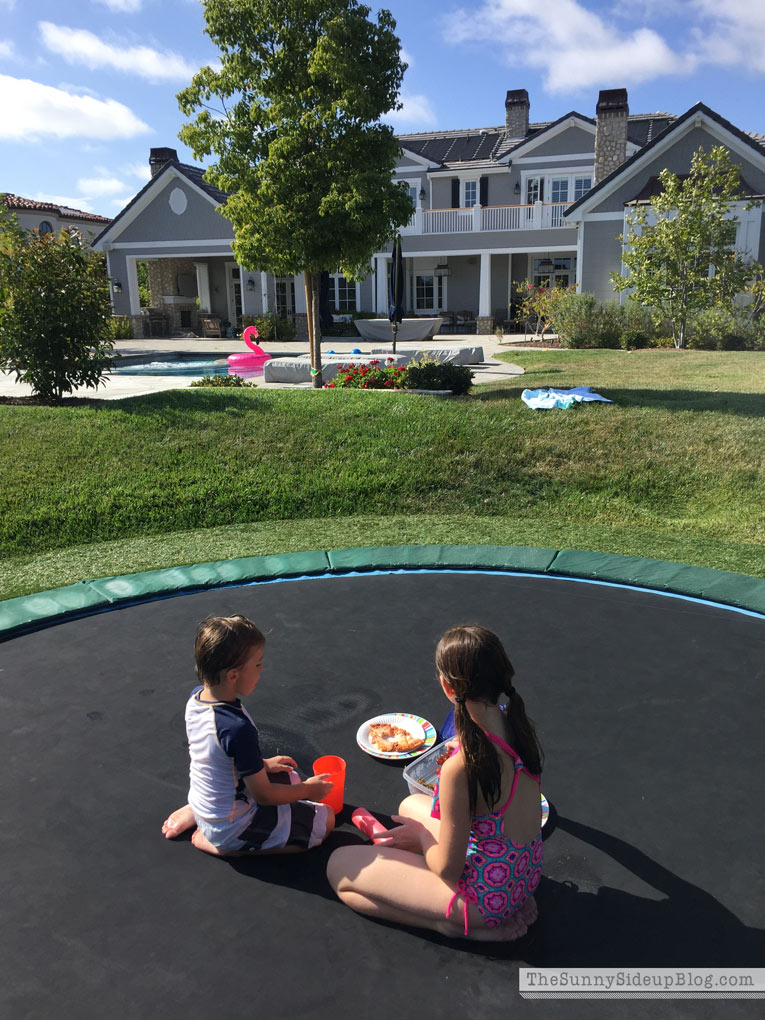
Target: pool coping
[{"x": 28, "y": 613}]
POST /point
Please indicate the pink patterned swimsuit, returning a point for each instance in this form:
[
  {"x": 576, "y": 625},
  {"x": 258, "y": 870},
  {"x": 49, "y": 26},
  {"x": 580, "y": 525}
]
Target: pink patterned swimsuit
[{"x": 499, "y": 877}]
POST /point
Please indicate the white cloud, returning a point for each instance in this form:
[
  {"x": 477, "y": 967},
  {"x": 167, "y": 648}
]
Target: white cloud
[
  {"x": 416, "y": 110},
  {"x": 100, "y": 185},
  {"x": 10, "y": 4},
  {"x": 121, "y": 202},
  {"x": 77, "y": 90},
  {"x": 139, "y": 170},
  {"x": 6, "y": 49},
  {"x": 407, "y": 57},
  {"x": 32, "y": 111},
  {"x": 733, "y": 33},
  {"x": 575, "y": 48},
  {"x": 128, "y": 6},
  {"x": 81, "y": 203},
  {"x": 78, "y": 46}
]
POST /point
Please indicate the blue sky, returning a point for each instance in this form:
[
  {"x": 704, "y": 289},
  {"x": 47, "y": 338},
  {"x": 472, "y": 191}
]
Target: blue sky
[{"x": 87, "y": 87}]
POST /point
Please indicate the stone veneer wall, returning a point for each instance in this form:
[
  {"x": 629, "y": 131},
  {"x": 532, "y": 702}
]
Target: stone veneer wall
[
  {"x": 484, "y": 324},
  {"x": 610, "y": 132},
  {"x": 163, "y": 274}
]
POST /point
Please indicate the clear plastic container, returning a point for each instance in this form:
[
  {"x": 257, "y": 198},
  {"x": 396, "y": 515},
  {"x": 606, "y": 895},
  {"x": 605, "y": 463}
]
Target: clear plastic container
[{"x": 420, "y": 774}]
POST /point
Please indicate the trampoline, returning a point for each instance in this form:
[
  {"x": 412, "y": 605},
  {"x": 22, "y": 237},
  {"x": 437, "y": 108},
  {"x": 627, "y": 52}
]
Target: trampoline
[{"x": 649, "y": 708}]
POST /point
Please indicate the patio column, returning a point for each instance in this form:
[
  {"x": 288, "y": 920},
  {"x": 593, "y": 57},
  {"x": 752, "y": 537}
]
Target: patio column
[
  {"x": 264, "y": 291},
  {"x": 203, "y": 286},
  {"x": 484, "y": 323},
  {"x": 484, "y": 287},
  {"x": 381, "y": 275}
]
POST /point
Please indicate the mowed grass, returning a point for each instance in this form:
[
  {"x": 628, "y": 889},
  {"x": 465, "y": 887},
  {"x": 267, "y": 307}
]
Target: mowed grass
[{"x": 673, "y": 469}]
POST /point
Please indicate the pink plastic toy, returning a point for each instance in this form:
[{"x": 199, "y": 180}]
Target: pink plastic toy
[
  {"x": 249, "y": 360},
  {"x": 368, "y": 824}
]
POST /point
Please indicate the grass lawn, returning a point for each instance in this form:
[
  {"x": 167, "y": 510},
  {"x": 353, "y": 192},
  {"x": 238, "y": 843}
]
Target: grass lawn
[{"x": 672, "y": 469}]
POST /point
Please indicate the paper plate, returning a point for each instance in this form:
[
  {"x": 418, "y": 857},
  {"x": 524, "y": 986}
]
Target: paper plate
[
  {"x": 545, "y": 810},
  {"x": 413, "y": 724}
]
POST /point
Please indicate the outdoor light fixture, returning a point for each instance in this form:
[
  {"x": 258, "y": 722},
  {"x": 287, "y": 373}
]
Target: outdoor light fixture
[
  {"x": 517, "y": 188},
  {"x": 546, "y": 264},
  {"x": 423, "y": 195},
  {"x": 116, "y": 286},
  {"x": 250, "y": 284},
  {"x": 442, "y": 270}
]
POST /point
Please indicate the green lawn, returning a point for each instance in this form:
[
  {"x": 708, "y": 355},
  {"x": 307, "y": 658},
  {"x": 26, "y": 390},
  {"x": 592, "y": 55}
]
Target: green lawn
[{"x": 672, "y": 469}]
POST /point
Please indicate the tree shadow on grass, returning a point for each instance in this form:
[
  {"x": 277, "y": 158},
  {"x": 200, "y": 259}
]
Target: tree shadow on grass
[
  {"x": 184, "y": 401},
  {"x": 746, "y": 405}
]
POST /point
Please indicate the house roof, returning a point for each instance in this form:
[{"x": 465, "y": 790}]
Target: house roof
[
  {"x": 194, "y": 174},
  {"x": 751, "y": 139},
  {"x": 63, "y": 211},
  {"x": 486, "y": 145},
  {"x": 654, "y": 187}
]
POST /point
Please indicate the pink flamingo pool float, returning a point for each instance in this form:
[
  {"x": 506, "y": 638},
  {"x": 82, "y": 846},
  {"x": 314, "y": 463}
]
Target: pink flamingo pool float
[{"x": 254, "y": 358}]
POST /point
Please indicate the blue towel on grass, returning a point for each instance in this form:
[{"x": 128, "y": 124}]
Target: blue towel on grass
[{"x": 564, "y": 399}]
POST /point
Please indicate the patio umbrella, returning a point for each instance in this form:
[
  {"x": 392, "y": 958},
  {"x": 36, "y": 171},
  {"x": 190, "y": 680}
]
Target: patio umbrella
[{"x": 396, "y": 289}]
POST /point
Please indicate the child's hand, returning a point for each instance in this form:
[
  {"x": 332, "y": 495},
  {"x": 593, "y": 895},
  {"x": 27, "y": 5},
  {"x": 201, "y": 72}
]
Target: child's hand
[
  {"x": 320, "y": 786},
  {"x": 280, "y": 763},
  {"x": 405, "y": 837}
]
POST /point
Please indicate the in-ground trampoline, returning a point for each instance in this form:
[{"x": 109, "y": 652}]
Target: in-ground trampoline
[{"x": 649, "y": 707}]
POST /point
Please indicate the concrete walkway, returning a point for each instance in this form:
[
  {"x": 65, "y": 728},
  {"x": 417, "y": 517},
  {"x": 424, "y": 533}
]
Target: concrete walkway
[{"x": 117, "y": 386}]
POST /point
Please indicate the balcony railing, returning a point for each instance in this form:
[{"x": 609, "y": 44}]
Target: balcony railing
[{"x": 539, "y": 216}]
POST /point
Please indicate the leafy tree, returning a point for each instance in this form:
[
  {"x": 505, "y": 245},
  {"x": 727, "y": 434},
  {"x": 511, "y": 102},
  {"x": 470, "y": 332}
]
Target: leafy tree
[
  {"x": 55, "y": 310},
  {"x": 685, "y": 262},
  {"x": 298, "y": 144}
]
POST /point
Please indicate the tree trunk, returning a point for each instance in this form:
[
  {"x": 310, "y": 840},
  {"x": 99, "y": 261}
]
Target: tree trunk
[
  {"x": 316, "y": 347},
  {"x": 307, "y": 280}
]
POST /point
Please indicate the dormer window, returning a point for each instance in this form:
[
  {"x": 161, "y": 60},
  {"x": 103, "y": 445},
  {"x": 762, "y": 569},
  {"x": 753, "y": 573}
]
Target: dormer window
[{"x": 45, "y": 227}]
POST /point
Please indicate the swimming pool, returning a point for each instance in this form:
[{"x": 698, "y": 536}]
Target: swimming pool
[{"x": 191, "y": 367}]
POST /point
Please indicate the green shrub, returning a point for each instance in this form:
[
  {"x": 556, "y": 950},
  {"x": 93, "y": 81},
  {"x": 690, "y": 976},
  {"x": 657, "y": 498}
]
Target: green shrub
[
  {"x": 572, "y": 318},
  {"x": 270, "y": 327},
  {"x": 55, "y": 310},
  {"x": 120, "y": 327},
  {"x": 428, "y": 374},
  {"x": 726, "y": 329},
  {"x": 222, "y": 380}
]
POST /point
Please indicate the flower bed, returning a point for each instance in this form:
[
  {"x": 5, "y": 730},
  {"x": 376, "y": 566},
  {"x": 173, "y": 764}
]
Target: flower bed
[{"x": 425, "y": 374}]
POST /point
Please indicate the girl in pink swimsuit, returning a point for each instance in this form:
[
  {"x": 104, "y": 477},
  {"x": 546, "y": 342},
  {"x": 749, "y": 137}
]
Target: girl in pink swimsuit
[{"x": 467, "y": 863}]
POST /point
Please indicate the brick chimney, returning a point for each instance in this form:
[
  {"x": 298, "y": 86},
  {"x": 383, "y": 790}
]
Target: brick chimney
[
  {"x": 158, "y": 158},
  {"x": 612, "y": 112},
  {"x": 516, "y": 113}
]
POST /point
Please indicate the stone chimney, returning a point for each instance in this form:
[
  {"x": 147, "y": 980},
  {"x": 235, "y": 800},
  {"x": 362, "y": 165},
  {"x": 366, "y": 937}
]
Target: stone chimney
[
  {"x": 610, "y": 132},
  {"x": 158, "y": 158},
  {"x": 516, "y": 113}
]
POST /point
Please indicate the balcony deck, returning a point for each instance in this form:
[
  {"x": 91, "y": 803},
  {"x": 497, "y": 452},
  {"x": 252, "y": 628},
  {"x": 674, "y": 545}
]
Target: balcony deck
[{"x": 480, "y": 219}]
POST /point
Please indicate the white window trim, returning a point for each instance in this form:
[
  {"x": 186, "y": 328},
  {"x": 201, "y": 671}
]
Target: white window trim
[
  {"x": 549, "y": 175},
  {"x": 343, "y": 311}
]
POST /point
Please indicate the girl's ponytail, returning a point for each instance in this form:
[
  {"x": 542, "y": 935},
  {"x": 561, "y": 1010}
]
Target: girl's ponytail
[
  {"x": 526, "y": 740},
  {"x": 474, "y": 663}
]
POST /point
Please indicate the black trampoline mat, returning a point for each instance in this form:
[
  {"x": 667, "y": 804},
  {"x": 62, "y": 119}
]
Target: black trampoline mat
[{"x": 650, "y": 712}]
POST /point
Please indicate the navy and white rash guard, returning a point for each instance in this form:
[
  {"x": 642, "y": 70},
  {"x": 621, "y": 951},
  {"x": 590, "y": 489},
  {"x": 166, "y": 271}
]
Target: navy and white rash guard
[{"x": 224, "y": 748}]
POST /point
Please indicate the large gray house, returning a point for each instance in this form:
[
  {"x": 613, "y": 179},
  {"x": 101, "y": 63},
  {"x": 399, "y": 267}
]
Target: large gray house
[{"x": 493, "y": 207}]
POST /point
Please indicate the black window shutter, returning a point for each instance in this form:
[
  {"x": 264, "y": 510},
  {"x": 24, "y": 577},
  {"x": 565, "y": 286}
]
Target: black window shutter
[
  {"x": 541, "y": 189},
  {"x": 483, "y": 188},
  {"x": 455, "y": 192}
]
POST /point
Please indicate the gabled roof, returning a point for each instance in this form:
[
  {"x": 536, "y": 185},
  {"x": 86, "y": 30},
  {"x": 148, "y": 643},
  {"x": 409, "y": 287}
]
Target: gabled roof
[
  {"x": 193, "y": 174},
  {"x": 62, "y": 211},
  {"x": 749, "y": 139},
  {"x": 490, "y": 144}
]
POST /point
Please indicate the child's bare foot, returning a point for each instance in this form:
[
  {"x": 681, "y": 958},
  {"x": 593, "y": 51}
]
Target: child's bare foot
[
  {"x": 178, "y": 822},
  {"x": 201, "y": 842}
]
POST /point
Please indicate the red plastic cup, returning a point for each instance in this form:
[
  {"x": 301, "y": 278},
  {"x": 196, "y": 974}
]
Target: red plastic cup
[
  {"x": 368, "y": 824},
  {"x": 335, "y": 767}
]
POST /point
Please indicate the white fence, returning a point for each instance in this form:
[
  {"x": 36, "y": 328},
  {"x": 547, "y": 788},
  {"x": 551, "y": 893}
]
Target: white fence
[{"x": 540, "y": 216}]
